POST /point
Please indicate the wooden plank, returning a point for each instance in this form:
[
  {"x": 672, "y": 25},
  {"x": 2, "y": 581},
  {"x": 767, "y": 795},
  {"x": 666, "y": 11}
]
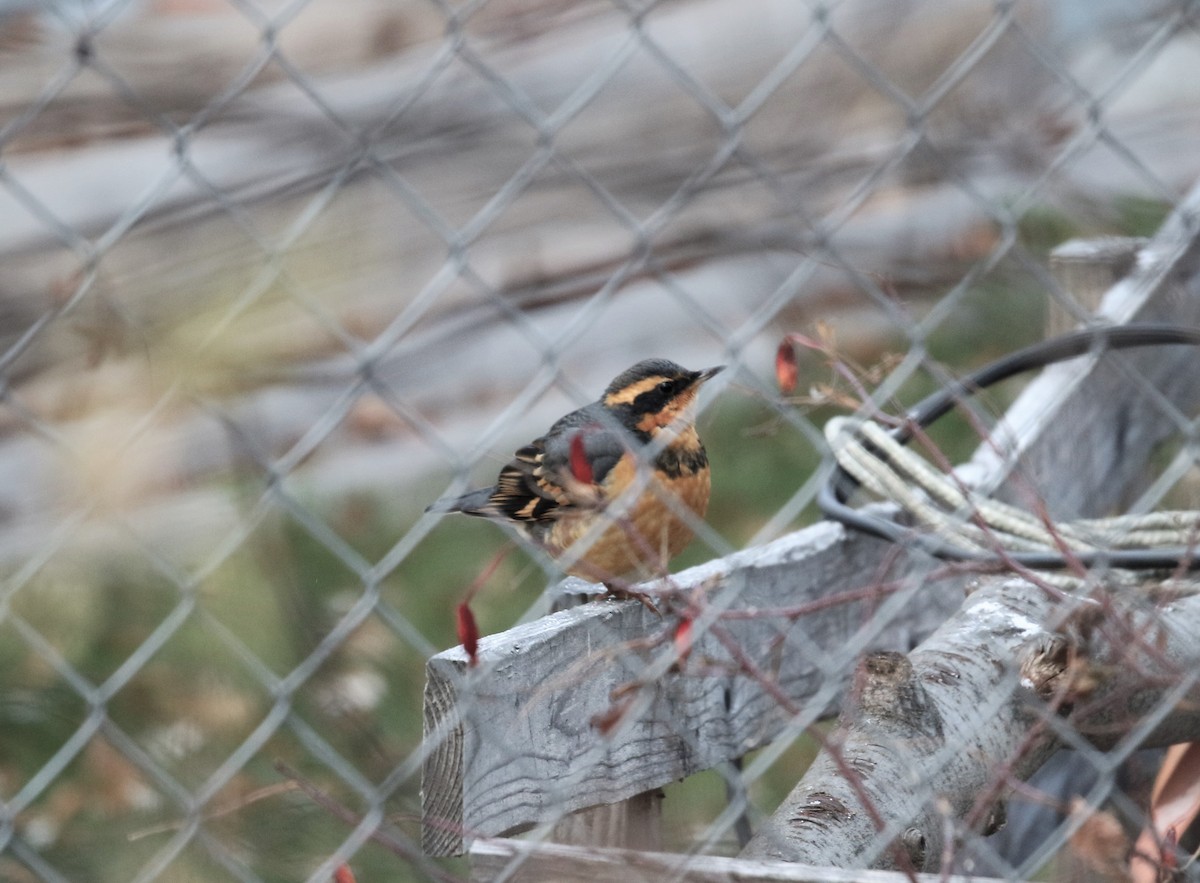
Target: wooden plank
[
  {"x": 515, "y": 742},
  {"x": 524, "y": 862}
]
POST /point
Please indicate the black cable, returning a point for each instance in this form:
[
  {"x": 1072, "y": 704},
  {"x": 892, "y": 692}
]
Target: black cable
[{"x": 837, "y": 490}]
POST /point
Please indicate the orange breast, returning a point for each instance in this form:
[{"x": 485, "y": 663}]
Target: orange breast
[{"x": 630, "y": 539}]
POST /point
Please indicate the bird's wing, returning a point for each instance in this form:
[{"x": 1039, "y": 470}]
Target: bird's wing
[
  {"x": 521, "y": 492},
  {"x": 540, "y": 479},
  {"x": 597, "y": 445},
  {"x": 524, "y": 491}
]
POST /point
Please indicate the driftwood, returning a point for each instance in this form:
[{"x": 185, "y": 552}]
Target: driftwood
[{"x": 929, "y": 743}]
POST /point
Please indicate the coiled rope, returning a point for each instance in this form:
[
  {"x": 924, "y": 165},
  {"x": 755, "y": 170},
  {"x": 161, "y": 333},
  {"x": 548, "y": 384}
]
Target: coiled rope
[{"x": 952, "y": 521}]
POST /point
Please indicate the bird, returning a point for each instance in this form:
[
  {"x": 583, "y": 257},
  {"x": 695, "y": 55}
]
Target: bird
[{"x": 610, "y": 491}]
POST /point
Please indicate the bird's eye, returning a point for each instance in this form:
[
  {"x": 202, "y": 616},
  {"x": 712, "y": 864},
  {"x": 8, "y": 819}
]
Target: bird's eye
[{"x": 667, "y": 387}]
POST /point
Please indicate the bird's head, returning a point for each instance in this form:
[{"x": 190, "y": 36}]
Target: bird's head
[{"x": 654, "y": 394}]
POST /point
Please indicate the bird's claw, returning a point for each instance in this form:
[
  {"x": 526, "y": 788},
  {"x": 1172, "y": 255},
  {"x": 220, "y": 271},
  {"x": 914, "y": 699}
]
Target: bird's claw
[{"x": 625, "y": 594}]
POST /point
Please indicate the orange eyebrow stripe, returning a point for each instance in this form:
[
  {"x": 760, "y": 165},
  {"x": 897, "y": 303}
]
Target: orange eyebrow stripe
[{"x": 628, "y": 394}]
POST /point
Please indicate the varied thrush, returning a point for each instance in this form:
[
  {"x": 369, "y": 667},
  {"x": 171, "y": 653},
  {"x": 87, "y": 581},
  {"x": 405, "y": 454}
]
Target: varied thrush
[{"x": 609, "y": 490}]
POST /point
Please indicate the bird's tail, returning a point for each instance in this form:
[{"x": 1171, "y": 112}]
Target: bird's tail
[{"x": 474, "y": 503}]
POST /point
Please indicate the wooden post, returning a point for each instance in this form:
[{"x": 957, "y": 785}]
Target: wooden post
[
  {"x": 1085, "y": 269},
  {"x": 633, "y": 823}
]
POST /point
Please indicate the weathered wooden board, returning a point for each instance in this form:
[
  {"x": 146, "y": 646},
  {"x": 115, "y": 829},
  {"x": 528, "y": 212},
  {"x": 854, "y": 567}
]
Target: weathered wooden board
[
  {"x": 515, "y": 741},
  {"x": 554, "y": 863}
]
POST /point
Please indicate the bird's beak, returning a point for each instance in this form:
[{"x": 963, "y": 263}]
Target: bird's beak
[{"x": 707, "y": 374}]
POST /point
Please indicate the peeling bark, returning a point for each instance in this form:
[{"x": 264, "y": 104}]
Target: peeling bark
[{"x": 928, "y": 742}]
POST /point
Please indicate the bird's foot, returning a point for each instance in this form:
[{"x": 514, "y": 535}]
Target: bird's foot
[{"x": 624, "y": 593}]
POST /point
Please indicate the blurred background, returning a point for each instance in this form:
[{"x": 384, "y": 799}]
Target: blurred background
[{"x": 276, "y": 275}]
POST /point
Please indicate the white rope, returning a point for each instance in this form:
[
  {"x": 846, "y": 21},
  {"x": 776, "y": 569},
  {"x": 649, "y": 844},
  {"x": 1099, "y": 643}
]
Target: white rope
[{"x": 958, "y": 516}]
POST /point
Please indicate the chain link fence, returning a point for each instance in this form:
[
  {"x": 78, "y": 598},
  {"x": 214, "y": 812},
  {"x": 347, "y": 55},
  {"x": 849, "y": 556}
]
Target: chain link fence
[{"x": 277, "y": 275}]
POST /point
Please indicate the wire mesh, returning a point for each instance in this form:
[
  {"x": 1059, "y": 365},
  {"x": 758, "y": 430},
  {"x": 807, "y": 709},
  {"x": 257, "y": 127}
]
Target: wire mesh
[{"x": 278, "y": 275}]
